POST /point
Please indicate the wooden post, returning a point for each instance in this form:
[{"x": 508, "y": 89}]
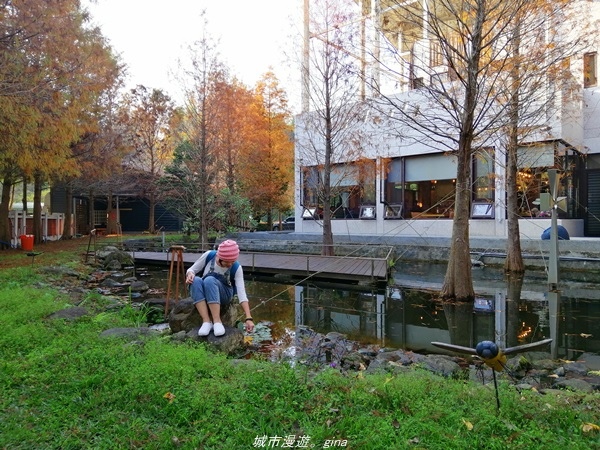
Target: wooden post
[
  {"x": 92, "y": 235},
  {"x": 176, "y": 253}
]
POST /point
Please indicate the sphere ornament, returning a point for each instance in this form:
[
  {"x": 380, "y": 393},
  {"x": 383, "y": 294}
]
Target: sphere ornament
[{"x": 487, "y": 349}]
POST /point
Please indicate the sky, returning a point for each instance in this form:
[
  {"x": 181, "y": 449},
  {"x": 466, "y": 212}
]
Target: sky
[{"x": 152, "y": 36}]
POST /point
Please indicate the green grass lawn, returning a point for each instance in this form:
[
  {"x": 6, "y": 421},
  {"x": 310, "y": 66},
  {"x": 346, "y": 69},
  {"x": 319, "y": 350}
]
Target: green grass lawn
[{"x": 62, "y": 386}]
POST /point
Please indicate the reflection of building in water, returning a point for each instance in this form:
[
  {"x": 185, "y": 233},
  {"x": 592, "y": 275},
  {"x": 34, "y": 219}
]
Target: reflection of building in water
[
  {"x": 359, "y": 315},
  {"x": 411, "y": 319}
]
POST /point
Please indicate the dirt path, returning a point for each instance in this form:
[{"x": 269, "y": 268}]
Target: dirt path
[{"x": 17, "y": 257}]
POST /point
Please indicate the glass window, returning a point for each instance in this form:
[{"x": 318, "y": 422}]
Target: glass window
[
  {"x": 483, "y": 170},
  {"x": 430, "y": 182},
  {"x": 532, "y": 180},
  {"x": 589, "y": 69},
  {"x": 428, "y": 189},
  {"x": 431, "y": 167},
  {"x": 311, "y": 182},
  {"x": 392, "y": 185},
  {"x": 352, "y": 186}
]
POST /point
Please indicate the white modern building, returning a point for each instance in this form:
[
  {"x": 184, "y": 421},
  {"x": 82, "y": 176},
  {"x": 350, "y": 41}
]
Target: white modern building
[{"x": 403, "y": 183}]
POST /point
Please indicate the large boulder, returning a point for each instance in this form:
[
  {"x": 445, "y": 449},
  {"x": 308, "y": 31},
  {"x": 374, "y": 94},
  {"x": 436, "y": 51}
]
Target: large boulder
[
  {"x": 72, "y": 313},
  {"x": 183, "y": 316},
  {"x": 231, "y": 343},
  {"x": 117, "y": 259}
]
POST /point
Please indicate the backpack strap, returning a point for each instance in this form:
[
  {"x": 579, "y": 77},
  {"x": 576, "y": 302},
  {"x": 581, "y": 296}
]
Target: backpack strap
[
  {"x": 235, "y": 267},
  {"x": 211, "y": 255}
]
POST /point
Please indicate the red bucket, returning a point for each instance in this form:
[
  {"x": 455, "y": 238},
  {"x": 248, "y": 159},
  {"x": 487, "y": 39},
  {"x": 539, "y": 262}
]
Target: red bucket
[{"x": 27, "y": 242}]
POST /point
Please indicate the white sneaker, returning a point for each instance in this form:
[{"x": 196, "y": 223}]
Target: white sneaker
[
  {"x": 219, "y": 329},
  {"x": 205, "y": 329}
]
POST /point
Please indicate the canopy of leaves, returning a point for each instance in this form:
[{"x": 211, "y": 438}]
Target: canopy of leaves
[{"x": 53, "y": 69}]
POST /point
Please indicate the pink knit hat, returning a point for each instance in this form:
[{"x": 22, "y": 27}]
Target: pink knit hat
[{"x": 228, "y": 251}]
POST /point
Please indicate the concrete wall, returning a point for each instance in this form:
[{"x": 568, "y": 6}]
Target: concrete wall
[{"x": 529, "y": 228}]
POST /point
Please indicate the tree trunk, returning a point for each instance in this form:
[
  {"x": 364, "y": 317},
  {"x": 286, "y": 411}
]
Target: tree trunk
[
  {"x": 38, "y": 232},
  {"x": 91, "y": 212},
  {"x": 24, "y": 227},
  {"x": 68, "y": 225},
  {"x": 151, "y": 208},
  {"x": 458, "y": 282},
  {"x": 111, "y": 216},
  {"x": 327, "y": 249},
  {"x": 514, "y": 258},
  {"x": 203, "y": 231},
  {"x": 5, "y": 230}
]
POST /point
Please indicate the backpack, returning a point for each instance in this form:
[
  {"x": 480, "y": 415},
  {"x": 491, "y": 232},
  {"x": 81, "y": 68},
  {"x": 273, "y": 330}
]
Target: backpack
[{"x": 211, "y": 255}]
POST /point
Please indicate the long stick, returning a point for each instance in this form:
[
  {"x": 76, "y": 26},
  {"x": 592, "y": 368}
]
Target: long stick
[
  {"x": 496, "y": 389},
  {"x": 92, "y": 233},
  {"x": 170, "y": 278}
]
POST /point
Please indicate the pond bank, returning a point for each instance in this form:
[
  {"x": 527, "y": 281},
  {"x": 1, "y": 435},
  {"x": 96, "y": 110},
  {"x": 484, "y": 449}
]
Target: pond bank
[{"x": 303, "y": 345}]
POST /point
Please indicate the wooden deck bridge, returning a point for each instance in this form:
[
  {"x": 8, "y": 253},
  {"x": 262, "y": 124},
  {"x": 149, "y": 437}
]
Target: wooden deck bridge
[{"x": 348, "y": 268}]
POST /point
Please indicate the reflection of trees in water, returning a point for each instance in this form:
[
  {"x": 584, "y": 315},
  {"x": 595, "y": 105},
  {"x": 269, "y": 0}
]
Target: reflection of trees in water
[
  {"x": 460, "y": 322},
  {"x": 421, "y": 308},
  {"x": 513, "y": 300},
  {"x": 323, "y": 302},
  {"x": 579, "y": 317},
  {"x": 271, "y": 302}
]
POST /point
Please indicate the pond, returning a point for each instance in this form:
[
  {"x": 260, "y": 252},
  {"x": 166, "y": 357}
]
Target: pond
[{"x": 407, "y": 314}]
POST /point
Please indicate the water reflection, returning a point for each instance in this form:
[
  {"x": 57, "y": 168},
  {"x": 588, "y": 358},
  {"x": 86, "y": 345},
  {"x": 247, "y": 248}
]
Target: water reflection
[
  {"x": 510, "y": 313},
  {"x": 411, "y": 319}
]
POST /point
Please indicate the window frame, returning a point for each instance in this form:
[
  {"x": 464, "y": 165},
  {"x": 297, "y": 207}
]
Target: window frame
[{"x": 590, "y": 69}]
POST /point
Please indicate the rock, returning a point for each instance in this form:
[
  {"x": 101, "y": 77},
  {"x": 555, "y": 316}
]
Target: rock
[
  {"x": 156, "y": 304},
  {"x": 441, "y": 365},
  {"x": 231, "y": 342},
  {"x": 69, "y": 313},
  {"x": 593, "y": 380},
  {"x": 576, "y": 368},
  {"x": 367, "y": 352},
  {"x": 334, "y": 337},
  {"x": 116, "y": 260},
  {"x": 396, "y": 367},
  {"x": 107, "y": 250},
  {"x": 353, "y": 361},
  {"x": 574, "y": 384},
  {"x": 133, "y": 332},
  {"x": 591, "y": 361},
  {"x": 113, "y": 264},
  {"x": 139, "y": 286},
  {"x": 110, "y": 283},
  {"x": 546, "y": 364},
  {"x": 389, "y": 355},
  {"x": 519, "y": 363},
  {"x": 407, "y": 358},
  {"x": 183, "y": 316},
  {"x": 180, "y": 336},
  {"x": 377, "y": 365},
  {"x": 381, "y": 365}
]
